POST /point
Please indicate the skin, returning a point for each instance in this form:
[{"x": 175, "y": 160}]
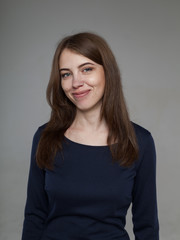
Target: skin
[{"x": 83, "y": 82}]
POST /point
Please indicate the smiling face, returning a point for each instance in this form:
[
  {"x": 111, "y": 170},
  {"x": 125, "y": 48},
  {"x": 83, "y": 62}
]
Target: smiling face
[{"x": 82, "y": 80}]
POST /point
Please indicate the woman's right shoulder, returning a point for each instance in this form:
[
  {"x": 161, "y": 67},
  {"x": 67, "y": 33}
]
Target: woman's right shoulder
[
  {"x": 38, "y": 132},
  {"x": 41, "y": 128}
]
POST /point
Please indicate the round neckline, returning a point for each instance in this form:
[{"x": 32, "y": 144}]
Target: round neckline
[{"x": 84, "y": 145}]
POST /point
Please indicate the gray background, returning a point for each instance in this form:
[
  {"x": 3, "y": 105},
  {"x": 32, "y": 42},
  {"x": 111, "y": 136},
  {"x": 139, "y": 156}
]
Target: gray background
[{"x": 145, "y": 37}]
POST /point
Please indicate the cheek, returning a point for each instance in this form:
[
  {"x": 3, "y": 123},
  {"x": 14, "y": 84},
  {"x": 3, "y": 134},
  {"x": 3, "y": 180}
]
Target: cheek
[
  {"x": 65, "y": 86},
  {"x": 98, "y": 80},
  {"x": 101, "y": 82}
]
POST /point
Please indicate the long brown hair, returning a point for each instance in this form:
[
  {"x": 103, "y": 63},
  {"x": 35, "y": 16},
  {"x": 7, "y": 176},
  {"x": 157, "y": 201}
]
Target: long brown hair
[{"x": 113, "y": 110}]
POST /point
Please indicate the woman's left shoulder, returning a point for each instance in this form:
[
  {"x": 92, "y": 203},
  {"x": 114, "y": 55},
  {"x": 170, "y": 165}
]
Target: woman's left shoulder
[
  {"x": 143, "y": 136},
  {"x": 147, "y": 151}
]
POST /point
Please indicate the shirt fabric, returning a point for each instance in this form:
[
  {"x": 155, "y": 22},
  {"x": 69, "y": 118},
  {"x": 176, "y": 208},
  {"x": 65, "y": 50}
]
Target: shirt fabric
[{"x": 86, "y": 196}]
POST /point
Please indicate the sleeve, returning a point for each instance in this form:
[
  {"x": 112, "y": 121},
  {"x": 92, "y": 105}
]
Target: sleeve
[
  {"x": 144, "y": 203},
  {"x": 36, "y": 208}
]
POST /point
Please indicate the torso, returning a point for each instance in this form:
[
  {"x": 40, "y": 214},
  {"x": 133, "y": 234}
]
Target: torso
[{"x": 87, "y": 136}]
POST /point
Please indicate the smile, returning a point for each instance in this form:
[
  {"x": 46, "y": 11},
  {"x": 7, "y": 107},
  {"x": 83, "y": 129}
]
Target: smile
[{"x": 79, "y": 95}]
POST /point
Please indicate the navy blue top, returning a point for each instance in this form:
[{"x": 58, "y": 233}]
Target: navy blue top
[{"x": 86, "y": 196}]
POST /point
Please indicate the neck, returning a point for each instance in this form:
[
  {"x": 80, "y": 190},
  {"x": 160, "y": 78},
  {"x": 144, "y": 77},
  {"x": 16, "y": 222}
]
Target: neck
[
  {"x": 90, "y": 120},
  {"x": 88, "y": 128}
]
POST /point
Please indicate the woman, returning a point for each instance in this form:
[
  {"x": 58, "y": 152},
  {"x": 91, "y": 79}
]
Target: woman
[{"x": 89, "y": 162}]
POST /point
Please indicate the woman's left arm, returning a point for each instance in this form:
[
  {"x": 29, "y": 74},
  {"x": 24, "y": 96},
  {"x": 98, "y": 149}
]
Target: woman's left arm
[{"x": 144, "y": 205}]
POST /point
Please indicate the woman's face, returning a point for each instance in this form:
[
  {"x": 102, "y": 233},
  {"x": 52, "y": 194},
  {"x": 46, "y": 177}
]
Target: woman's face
[{"x": 82, "y": 80}]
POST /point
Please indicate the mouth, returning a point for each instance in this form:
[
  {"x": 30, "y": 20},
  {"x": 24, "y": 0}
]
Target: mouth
[{"x": 81, "y": 94}]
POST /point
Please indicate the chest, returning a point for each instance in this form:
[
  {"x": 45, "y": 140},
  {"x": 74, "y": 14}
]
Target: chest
[{"x": 86, "y": 178}]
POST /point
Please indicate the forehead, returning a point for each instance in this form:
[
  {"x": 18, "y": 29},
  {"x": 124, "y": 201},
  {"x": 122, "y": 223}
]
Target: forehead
[{"x": 71, "y": 58}]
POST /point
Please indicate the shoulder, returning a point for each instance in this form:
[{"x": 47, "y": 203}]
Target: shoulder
[
  {"x": 42, "y": 127},
  {"x": 142, "y": 133},
  {"x": 38, "y": 133},
  {"x": 144, "y": 137}
]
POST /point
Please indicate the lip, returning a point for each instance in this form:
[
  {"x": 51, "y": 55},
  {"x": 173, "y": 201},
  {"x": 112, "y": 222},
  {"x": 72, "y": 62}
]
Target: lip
[{"x": 80, "y": 94}]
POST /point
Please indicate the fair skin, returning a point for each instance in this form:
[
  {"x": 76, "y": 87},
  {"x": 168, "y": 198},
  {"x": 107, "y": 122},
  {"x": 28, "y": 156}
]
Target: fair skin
[{"x": 83, "y": 82}]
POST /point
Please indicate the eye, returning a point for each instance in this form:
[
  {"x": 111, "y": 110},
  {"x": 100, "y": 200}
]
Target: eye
[
  {"x": 65, "y": 75},
  {"x": 88, "y": 69}
]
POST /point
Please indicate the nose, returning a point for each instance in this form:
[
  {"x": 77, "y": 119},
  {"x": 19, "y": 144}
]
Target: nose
[{"x": 77, "y": 81}]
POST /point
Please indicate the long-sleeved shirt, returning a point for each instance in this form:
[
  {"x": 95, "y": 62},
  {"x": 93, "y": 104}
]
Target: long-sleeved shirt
[{"x": 86, "y": 196}]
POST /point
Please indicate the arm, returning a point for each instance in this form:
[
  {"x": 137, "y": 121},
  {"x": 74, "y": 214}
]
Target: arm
[
  {"x": 36, "y": 209},
  {"x": 144, "y": 206}
]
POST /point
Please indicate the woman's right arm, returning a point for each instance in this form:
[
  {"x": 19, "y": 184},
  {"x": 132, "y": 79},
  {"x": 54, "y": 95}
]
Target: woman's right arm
[{"x": 36, "y": 209}]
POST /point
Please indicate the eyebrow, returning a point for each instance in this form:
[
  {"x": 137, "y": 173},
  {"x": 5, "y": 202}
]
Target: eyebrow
[{"x": 82, "y": 65}]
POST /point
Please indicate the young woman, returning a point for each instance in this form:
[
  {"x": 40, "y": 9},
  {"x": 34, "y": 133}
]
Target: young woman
[{"x": 89, "y": 162}]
